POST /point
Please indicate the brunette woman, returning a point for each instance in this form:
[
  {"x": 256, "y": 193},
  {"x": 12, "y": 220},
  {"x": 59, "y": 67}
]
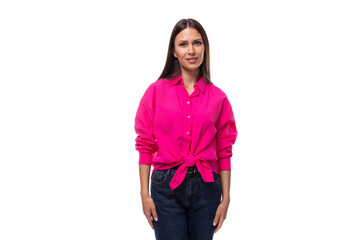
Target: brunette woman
[{"x": 185, "y": 129}]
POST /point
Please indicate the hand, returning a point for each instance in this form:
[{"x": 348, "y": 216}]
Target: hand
[
  {"x": 220, "y": 215},
  {"x": 149, "y": 209}
]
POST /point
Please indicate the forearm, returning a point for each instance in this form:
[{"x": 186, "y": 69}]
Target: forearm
[
  {"x": 225, "y": 177},
  {"x": 144, "y": 172}
]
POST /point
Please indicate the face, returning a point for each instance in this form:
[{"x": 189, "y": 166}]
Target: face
[{"x": 189, "y": 49}]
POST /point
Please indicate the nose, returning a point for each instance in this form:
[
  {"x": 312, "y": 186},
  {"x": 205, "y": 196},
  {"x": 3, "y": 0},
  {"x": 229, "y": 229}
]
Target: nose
[{"x": 191, "y": 49}]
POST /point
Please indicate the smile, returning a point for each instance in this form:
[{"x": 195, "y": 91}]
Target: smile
[{"x": 192, "y": 60}]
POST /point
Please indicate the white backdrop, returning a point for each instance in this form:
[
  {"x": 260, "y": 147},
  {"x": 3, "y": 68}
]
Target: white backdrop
[{"x": 73, "y": 72}]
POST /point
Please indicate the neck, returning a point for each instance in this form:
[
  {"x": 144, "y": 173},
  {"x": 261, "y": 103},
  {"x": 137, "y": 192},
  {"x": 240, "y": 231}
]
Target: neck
[{"x": 190, "y": 77}]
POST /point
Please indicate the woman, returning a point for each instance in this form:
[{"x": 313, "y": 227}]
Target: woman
[{"x": 186, "y": 129}]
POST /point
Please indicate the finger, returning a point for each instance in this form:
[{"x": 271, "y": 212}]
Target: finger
[
  {"x": 148, "y": 217},
  {"x": 216, "y": 219},
  {"x": 219, "y": 225},
  {"x": 154, "y": 214}
]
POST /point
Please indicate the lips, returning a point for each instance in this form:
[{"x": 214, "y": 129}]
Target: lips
[{"x": 191, "y": 60}]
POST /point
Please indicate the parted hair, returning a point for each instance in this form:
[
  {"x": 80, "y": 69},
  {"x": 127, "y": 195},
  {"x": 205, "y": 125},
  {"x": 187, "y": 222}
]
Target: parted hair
[{"x": 172, "y": 67}]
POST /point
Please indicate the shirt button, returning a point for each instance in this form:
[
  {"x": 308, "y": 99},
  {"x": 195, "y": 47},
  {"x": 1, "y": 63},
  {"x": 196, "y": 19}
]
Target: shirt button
[
  {"x": 188, "y": 133},
  {"x": 188, "y": 116},
  {"x": 188, "y": 102}
]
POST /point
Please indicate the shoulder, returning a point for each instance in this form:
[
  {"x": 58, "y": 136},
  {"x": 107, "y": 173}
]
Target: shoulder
[
  {"x": 157, "y": 84},
  {"x": 153, "y": 89},
  {"x": 216, "y": 91}
]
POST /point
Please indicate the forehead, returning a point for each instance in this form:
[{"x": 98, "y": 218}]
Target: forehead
[{"x": 188, "y": 34}]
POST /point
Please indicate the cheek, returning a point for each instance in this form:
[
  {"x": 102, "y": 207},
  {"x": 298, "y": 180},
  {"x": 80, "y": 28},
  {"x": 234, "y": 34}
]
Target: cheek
[
  {"x": 202, "y": 51},
  {"x": 180, "y": 52},
  {"x": 202, "y": 55}
]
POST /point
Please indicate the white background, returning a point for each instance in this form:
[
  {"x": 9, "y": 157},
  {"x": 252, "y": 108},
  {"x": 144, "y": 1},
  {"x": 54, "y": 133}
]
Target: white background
[{"x": 73, "y": 72}]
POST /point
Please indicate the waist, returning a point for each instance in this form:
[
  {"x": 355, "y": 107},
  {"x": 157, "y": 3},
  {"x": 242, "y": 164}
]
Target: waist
[
  {"x": 160, "y": 163},
  {"x": 190, "y": 170}
]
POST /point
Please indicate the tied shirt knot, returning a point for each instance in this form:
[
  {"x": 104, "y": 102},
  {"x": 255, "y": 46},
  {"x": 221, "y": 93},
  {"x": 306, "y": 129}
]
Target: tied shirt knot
[{"x": 190, "y": 160}]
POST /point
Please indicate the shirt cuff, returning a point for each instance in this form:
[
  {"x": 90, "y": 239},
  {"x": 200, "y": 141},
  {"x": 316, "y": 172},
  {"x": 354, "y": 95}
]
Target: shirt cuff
[
  {"x": 224, "y": 163},
  {"x": 145, "y": 158}
]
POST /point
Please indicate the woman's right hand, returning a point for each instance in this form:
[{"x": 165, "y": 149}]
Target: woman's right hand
[{"x": 149, "y": 209}]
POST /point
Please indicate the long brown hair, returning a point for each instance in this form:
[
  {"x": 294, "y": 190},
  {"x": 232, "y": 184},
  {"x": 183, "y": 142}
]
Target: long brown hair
[{"x": 172, "y": 66}]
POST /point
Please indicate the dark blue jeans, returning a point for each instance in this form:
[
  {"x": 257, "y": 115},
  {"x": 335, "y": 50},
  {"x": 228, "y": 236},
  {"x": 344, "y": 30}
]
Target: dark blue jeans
[{"x": 187, "y": 213}]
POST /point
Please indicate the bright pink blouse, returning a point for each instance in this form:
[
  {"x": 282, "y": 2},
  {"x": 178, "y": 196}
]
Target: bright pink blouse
[{"x": 175, "y": 128}]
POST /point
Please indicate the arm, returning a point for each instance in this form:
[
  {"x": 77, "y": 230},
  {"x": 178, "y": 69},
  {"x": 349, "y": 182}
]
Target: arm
[
  {"x": 222, "y": 209},
  {"x": 225, "y": 138},
  {"x": 225, "y": 176},
  {"x": 147, "y": 202},
  {"x": 144, "y": 172},
  {"x": 145, "y": 141},
  {"x": 147, "y": 146}
]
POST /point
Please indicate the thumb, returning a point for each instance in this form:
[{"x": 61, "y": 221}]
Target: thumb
[{"x": 154, "y": 214}]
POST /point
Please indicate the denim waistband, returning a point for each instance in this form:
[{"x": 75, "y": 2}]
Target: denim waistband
[{"x": 190, "y": 170}]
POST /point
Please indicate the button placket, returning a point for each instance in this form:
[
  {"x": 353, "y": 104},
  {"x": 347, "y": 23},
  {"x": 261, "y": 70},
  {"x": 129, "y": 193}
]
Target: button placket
[{"x": 188, "y": 120}]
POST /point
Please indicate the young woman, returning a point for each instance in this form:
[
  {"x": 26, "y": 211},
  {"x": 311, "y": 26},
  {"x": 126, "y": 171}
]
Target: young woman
[{"x": 185, "y": 128}]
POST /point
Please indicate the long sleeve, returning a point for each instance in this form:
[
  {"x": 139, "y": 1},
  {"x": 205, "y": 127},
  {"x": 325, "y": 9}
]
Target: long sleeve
[
  {"x": 145, "y": 141},
  {"x": 226, "y": 135}
]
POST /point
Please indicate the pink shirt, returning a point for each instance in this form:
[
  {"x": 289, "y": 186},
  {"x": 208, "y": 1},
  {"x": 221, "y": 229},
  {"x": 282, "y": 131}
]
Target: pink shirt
[{"x": 174, "y": 128}]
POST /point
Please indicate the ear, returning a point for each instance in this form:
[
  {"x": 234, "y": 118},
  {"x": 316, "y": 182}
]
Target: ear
[{"x": 174, "y": 53}]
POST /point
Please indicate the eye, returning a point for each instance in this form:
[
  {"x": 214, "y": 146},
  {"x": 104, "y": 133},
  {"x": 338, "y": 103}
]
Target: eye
[
  {"x": 182, "y": 44},
  {"x": 198, "y": 43}
]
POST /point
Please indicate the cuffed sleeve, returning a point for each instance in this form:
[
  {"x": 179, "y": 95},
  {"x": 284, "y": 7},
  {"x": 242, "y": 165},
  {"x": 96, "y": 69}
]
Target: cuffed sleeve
[
  {"x": 226, "y": 135},
  {"x": 145, "y": 141}
]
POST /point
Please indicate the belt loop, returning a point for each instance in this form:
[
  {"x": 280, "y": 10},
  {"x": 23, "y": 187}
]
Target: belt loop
[{"x": 168, "y": 171}]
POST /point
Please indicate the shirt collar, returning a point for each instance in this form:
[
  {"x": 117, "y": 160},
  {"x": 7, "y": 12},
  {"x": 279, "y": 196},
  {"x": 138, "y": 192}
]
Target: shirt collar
[{"x": 201, "y": 84}]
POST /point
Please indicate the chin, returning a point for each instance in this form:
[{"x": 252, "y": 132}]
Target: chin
[{"x": 192, "y": 68}]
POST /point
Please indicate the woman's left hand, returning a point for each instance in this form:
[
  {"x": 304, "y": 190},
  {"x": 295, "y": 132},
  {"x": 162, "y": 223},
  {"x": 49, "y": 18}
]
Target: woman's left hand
[{"x": 220, "y": 215}]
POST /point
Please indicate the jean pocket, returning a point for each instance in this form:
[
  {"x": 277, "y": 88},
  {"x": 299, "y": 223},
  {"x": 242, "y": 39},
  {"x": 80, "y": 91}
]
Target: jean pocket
[
  {"x": 216, "y": 177},
  {"x": 158, "y": 176}
]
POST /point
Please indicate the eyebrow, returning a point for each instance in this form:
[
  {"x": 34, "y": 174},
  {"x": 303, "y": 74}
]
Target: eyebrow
[{"x": 199, "y": 39}]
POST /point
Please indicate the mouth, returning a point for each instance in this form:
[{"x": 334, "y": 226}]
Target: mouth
[{"x": 192, "y": 60}]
